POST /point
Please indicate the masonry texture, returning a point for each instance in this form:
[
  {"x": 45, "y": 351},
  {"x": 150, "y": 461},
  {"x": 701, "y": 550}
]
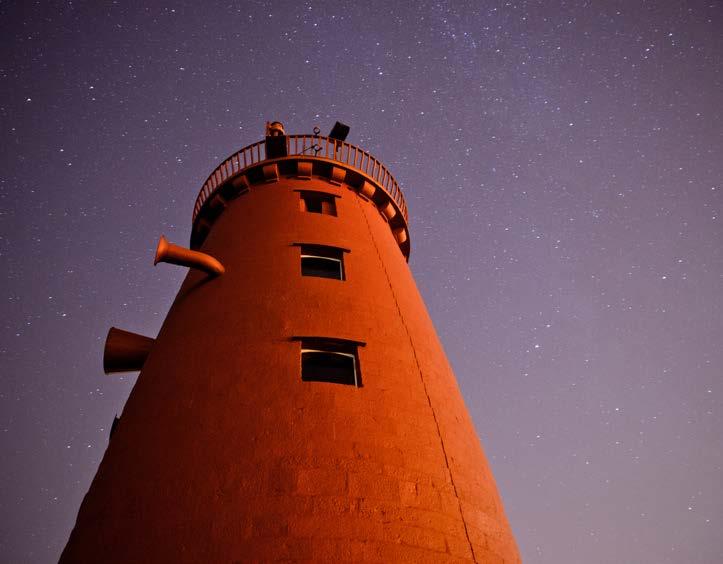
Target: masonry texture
[{"x": 223, "y": 453}]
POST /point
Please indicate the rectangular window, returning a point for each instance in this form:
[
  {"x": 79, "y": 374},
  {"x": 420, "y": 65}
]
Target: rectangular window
[
  {"x": 326, "y": 361},
  {"x": 317, "y": 202},
  {"x": 321, "y": 261}
]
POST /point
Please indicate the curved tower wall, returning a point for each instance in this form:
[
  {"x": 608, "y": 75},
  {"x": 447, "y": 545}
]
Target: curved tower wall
[{"x": 224, "y": 454}]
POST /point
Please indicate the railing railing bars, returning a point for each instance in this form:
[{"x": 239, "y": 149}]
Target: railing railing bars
[{"x": 310, "y": 145}]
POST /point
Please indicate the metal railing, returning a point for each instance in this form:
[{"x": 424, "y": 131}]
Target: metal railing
[{"x": 316, "y": 146}]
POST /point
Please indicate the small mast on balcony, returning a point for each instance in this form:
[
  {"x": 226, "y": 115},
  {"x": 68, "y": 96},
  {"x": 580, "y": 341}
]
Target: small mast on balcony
[{"x": 275, "y": 140}]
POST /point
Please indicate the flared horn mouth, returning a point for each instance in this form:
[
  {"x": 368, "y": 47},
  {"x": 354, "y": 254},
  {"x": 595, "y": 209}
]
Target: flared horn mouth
[
  {"x": 125, "y": 351},
  {"x": 161, "y": 250},
  {"x": 175, "y": 254}
]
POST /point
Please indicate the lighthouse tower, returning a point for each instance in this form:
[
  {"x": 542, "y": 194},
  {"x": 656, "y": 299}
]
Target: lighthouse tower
[{"x": 297, "y": 404}]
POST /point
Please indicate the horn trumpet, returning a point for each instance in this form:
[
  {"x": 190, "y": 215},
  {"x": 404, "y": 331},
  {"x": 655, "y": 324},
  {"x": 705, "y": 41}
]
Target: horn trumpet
[
  {"x": 125, "y": 351},
  {"x": 175, "y": 254}
]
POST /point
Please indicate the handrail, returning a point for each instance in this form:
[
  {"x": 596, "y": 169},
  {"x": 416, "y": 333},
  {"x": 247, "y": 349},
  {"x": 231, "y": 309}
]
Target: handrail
[{"x": 316, "y": 146}]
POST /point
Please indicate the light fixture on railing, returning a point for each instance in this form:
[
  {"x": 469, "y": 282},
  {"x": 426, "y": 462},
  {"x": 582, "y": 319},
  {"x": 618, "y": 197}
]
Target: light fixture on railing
[{"x": 339, "y": 131}]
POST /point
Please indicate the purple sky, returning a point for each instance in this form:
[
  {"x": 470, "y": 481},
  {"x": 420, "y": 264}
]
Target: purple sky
[{"x": 563, "y": 165}]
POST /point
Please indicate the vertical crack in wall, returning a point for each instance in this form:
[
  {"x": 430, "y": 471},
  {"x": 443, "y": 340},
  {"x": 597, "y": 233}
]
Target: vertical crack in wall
[{"x": 421, "y": 377}]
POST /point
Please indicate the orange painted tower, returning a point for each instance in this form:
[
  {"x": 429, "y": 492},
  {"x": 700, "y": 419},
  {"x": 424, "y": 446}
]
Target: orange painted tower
[{"x": 297, "y": 404}]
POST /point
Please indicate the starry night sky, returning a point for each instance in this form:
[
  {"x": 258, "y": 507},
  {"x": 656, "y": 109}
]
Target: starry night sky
[{"x": 563, "y": 166}]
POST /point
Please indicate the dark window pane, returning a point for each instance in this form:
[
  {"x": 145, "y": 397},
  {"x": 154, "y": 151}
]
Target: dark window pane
[
  {"x": 317, "y": 202},
  {"x": 333, "y": 367},
  {"x": 313, "y": 205},
  {"x": 323, "y": 267}
]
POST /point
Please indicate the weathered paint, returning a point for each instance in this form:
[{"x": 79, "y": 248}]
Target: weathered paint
[{"x": 223, "y": 454}]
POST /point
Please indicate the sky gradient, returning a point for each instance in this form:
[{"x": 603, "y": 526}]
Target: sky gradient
[{"x": 562, "y": 163}]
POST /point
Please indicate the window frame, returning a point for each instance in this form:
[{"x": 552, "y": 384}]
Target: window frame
[
  {"x": 324, "y": 253},
  {"x": 354, "y": 361},
  {"x": 333, "y": 346},
  {"x": 320, "y": 198}
]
